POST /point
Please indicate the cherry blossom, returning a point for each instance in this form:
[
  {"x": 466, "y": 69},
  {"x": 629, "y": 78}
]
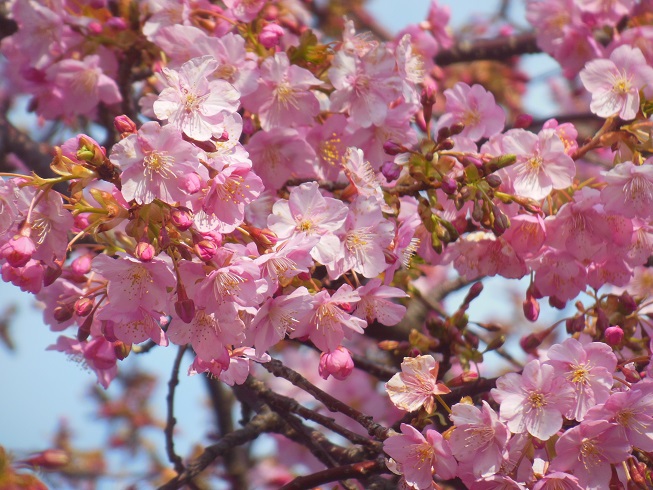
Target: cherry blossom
[{"x": 416, "y": 385}]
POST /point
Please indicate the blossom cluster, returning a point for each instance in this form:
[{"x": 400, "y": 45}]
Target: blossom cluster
[{"x": 280, "y": 186}]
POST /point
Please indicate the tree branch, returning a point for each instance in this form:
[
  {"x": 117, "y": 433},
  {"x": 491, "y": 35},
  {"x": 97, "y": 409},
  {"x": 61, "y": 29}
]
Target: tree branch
[
  {"x": 36, "y": 156},
  {"x": 278, "y": 369},
  {"x": 499, "y": 49},
  {"x": 173, "y": 457},
  {"x": 355, "y": 470}
]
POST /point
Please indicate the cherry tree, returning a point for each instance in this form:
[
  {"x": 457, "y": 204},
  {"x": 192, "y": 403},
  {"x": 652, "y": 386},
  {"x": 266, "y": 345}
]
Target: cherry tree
[{"x": 288, "y": 196}]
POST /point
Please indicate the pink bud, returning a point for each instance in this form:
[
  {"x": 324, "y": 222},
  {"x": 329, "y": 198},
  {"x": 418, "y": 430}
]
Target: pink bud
[
  {"x": 630, "y": 372},
  {"x": 81, "y": 265},
  {"x": 392, "y": 148},
  {"x": 391, "y": 171},
  {"x": 94, "y": 27},
  {"x": 448, "y": 185},
  {"x": 206, "y": 249},
  {"x": 117, "y": 23},
  {"x": 63, "y": 313},
  {"x": 337, "y": 363},
  {"x": 614, "y": 335},
  {"x": 270, "y": 35},
  {"x": 557, "y": 303},
  {"x": 124, "y": 125},
  {"x": 81, "y": 222},
  {"x": 144, "y": 251},
  {"x": 83, "y": 306},
  {"x": 523, "y": 121},
  {"x": 182, "y": 218},
  {"x": 531, "y": 308},
  {"x": 18, "y": 251},
  {"x": 185, "y": 309},
  {"x": 50, "y": 459}
]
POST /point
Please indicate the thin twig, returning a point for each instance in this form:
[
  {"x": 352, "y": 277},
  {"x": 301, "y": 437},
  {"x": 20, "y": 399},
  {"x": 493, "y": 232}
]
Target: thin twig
[
  {"x": 278, "y": 369},
  {"x": 173, "y": 457}
]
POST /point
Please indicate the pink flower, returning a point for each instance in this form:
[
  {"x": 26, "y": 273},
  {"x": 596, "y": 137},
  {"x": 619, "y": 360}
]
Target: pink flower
[
  {"x": 18, "y": 251},
  {"x": 193, "y": 104},
  {"x": 153, "y": 161},
  {"x": 416, "y": 385},
  {"x": 326, "y": 326},
  {"x": 338, "y": 363},
  {"x": 240, "y": 364},
  {"x": 533, "y": 401},
  {"x": 210, "y": 332},
  {"x": 270, "y": 36},
  {"x": 633, "y": 411},
  {"x": 615, "y": 83},
  {"x": 419, "y": 458},
  {"x": 558, "y": 480},
  {"x": 308, "y": 212},
  {"x": 284, "y": 96},
  {"x": 132, "y": 326},
  {"x": 475, "y": 108},
  {"x": 28, "y": 278},
  {"x": 365, "y": 85},
  {"x": 630, "y": 190},
  {"x": 588, "y": 450},
  {"x": 542, "y": 164},
  {"x": 245, "y": 10},
  {"x": 376, "y": 304},
  {"x": 366, "y": 237},
  {"x": 279, "y": 316},
  {"x": 98, "y": 354},
  {"x": 478, "y": 437},
  {"x": 588, "y": 369},
  {"x": 560, "y": 275}
]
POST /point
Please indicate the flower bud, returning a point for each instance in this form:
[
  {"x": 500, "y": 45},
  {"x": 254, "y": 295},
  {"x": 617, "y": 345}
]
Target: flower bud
[
  {"x": 270, "y": 35},
  {"x": 337, "y": 363},
  {"x": 18, "y": 251},
  {"x": 206, "y": 249},
  {"x": 392, "y": 148},
  {"x": 448, "y": 185},
  {"x": 121, "y": 350},
  {"x": 94, "y": 27},
  {"x": 557, "y": 303},
  {"x": 630, "y": 372},
  {"x": 493, "y": 180},
  {"x": 50, "y": 459},
  {"x": 391, "y": 171},
  {"x": 446, "y": 144},
  {"x": 51, "y": 274},
  {"x": 523, "y": 121},
  {"x": 144, "y": 251},
  {"x": 83, "y": 306},
  {"x": 531, "y": 309},
  {"x": 463, "y": 378},
  {"x": 627, "y": 303},
  {"x": 474, "y": 291},
  {"x": 81, "y": 265},
  {"x": 185, "y": 309},
  {"x": 63, "y": 313},
  {"x": 457, "y": 128},
  {"x": 116, "y": 23},
  {"x": 124, "y": 125},
  {"x": 182, "y": 218},
  {"x": 85, "y": 329},
  {"x": 614, "y": 335},
  {"x": 575, "y": 324}
]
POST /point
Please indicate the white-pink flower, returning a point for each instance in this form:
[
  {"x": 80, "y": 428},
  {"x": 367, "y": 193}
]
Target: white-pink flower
[
  {"x": 193, "y": 104},
  {"x": 416, "y": 384},
  {"x": 542, "y": 164},
  {"x": 630, "y": 190},
  {"x": 418, "y": 458},
  {"x": 376, "y": 303},
  {"x": 615, "y": 83},
  {"x": 533, "y": 401}
]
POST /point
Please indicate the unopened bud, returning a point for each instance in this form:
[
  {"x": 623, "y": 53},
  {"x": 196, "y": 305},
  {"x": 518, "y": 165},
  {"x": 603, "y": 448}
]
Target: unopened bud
[
  {"x": 531, "y": 342},
  {"x": 85, "y": 329},
  {"x": 463, "y": 378},
  {"x": 392, "y": 148},
  {"x": 523, "y": 121},
  {"x": 576, "y": 324},
  {"x": 63, "y": 313},
  {"x": 602, "y": 322},
  {"x": 614, "y": 335},
  {"x": 121, "y": 349},
  {"x": 557, "y": 303},
  {"x": 501, "y": 221},
  {"x": 388, "y": 345},
  {"x": 531, "y": 308},
  {"x": 124, "y": 125},
  {"x": 443, "y": 133},
  {"x": 83, "y": 306},
  {"x": 473, "y": 292},
  {"x": 182, "y": 218},
  {"x": 447, "y": 144},
  {"x": 81, "y": 265},
  {"x": 496, "y": 343},
  {"x": 263, "y": 238},
  {"x": 185, "y": 310},
  {"x": 630, "y": 372},
  {"x": 50, "y": 459},
  {"x": 337, "y": 363},
  {"x": 391, "y": 171},
  {"x": 457, "y": 128},
  {"x": 270, "y": 36},
  {"x": 448, "y": 185},
  {"x": 500, "y": 162},
  {"x": 144, "y": 251},
  {"x": 51, "y": 274},
  {"x": 206, "y": 249},
  {"x": 493, "y": 180},
  {"x": 627, "y": 303}
]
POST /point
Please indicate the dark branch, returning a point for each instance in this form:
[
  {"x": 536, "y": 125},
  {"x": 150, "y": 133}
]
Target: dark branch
[
  {"x": 499, "y": 49},
  {"x": 36, "y": 156},
  {"x": 363, "y": 469},
  {"x": 173, "y": 457}
]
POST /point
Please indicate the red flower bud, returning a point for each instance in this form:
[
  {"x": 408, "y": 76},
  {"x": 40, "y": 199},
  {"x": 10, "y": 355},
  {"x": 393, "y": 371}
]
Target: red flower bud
[
  {"x": 337, "y": 363},
  {"x": 614, "y": 335}
]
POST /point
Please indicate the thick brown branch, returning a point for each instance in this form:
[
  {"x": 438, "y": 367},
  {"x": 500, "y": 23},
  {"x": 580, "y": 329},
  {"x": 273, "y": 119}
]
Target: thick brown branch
[
  {"x": 36, "y": 156},
  {"x": 500, "y": 49},
  {"x": 363, "y": 469}
]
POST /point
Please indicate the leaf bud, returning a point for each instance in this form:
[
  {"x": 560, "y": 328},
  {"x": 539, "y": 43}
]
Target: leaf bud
[
  {"x": 121, "y": 349},
  {"x": 496, "y": 343}
]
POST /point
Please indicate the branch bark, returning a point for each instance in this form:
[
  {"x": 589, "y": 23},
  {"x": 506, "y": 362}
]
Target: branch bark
[{"x": 499, "y": 49}]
